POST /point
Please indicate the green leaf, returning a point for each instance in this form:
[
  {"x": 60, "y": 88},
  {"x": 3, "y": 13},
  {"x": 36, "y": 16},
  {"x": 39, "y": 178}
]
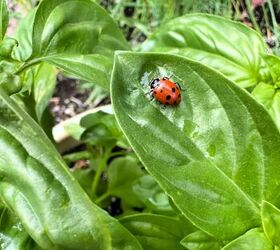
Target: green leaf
[
  {"x": 269, "y": 96},
  {"x": 122, "y": 173},
  {"x": 157, "y": 232},
  {"x": 271, "y": 222},
  {"x": 23, "y": 34},
  {"x": 7, "y": 46},
  {"x": 254, "y": 239},
  {"x": 217, "y": 154},
  {"x": 201, "y": 241},
  {"x": 4, "y": 13},
  {"x": 37, "y": 185},
  {"x": 151, "y": 194},
  {"x": 81, "y": 44},
  {"x": 12, "y": 234},
  {"x": 44, "y": 81},
  {"x": 100, "y": 129},
  {"x": 273, "y": 64},
  {"x": 230, "y": 47},
  {"x": 94, "y": 68}
]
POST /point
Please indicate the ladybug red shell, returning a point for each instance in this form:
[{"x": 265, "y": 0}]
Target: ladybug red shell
[{"x": 166, "y": 91}]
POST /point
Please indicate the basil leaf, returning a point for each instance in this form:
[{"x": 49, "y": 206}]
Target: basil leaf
[
  {"x": 254, "y": 239},
  {"x": 205, "y": 38},
  {"x": 37, "y": 185},
  {"x": 122, "y": 173},
  {"x": 201, "y": 241},
  {"x": 12, "y": 233},
  {"x": 271, "y": 222},
  {"x": 79, "y": 43},
  {"x": 216, "y": 154},
  {"x": 156, "y": 231}
]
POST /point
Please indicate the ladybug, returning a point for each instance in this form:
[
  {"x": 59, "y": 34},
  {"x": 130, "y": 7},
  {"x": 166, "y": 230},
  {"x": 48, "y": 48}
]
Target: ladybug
[{"x": 166, "y": 91}]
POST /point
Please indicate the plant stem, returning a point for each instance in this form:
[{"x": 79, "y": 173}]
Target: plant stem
[
  {"x": 274, "y": 22},
  {"x": 99, "y": 170},
  {"x": 26, "y": 65},
  {"x": 102, "y": 197},
  {"x": 252, "y": 16},
  {"x": 76, "y": 156}
]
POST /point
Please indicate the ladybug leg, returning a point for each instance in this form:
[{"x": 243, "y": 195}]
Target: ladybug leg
[
  {"x": 179, "y": 85},
  {"x": 149, "y": 92}
]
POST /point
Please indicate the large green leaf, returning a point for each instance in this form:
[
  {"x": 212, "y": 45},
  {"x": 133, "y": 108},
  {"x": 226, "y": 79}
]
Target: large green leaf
[
  {"x": 228, "y": 46},
  {"x": 36, "y": 184},
  {"x": 217, "y": 154},
  {"x": 4, "y": 14},
  {"x": 81, "y": 43},
  {"x": 157, "y": 232}
]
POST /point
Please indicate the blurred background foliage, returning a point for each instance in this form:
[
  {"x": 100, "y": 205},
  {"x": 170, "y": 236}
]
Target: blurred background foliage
[{"x": 139, "y": 18}]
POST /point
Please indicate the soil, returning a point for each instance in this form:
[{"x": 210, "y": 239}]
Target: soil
[{"x": 68, "y": 99}]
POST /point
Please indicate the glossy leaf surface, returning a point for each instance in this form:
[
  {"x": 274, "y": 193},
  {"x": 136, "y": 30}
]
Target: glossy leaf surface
[
  {"x": 212, "y": 154},
  {"x": 156, "y": 232},
  {"x": 81, "y": 43},
  {"x": 36, "y": 184},
  {"x": 12, "y": 233},
  {"x": 228, "y": 46}
]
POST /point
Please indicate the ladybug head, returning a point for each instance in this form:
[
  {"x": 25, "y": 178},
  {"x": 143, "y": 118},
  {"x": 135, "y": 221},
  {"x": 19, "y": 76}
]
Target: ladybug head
[{"x": 154, "y": 83}]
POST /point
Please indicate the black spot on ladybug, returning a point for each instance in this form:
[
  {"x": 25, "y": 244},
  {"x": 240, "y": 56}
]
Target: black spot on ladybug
[
  {"x": 177, "y": 88},
  {"x": 155, "y": 92},
  {"x": 173, "y": 90},
  {"x": 161, "y": 91},
  {"x": 175, "y": 102},
  {"x": 168, "y": 97},
  {"x": 179, "y": 95}
]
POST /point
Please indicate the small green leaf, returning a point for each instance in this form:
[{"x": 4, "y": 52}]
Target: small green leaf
[
  {"x": 44, "y": 81},
  {"x": 273, "y": 65},
  {"x": 122, "y": 173},
  {"x": 100, "y": 129},
  {"x": 216, "y": 155},
  {"x": 269, "y": 96},
  {"x": 271, "y": 222},
  {"x": 157, "y": 232},
  {"x": 11, "y": 83},
  {"x": 264, "y": 94},
  {"x": 151, "y": 194},
  {"x": 251, "y": 240},
  {"x": 200, "y": 241},
  {"x": 4, "y": 13},
  {"x": 230, "y": 47},
  {"x": 23, "y": 34},
  {"x": 7, "y": 46}
]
